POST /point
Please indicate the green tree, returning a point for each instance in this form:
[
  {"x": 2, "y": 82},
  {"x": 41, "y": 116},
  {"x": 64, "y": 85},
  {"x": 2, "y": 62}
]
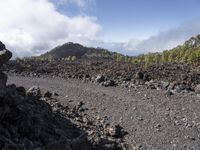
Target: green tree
[
  {"x": 165, "y": 56},
  {"x": 192, "y": 58}
]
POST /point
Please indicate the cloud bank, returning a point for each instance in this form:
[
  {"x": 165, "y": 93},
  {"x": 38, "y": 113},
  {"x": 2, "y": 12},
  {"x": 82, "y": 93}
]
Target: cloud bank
[
  {"x": 166, "y": 39},
  {"x": 30, "y": 27},
  {"x": 163, "y": 41}
]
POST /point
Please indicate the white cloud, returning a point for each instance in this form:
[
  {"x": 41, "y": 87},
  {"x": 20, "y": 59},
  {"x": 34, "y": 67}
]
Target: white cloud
[
  {"x": 167, "y": 39},
  {"x": 29, "y": 27}
]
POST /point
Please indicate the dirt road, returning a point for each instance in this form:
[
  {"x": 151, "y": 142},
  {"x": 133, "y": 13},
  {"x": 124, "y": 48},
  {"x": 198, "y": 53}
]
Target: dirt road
[{"x": 153, "y": 120}]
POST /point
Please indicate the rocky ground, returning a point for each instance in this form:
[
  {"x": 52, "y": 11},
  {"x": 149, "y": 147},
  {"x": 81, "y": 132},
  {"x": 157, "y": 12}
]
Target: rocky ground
[
  {"x": 117, "y": 105},
  {"x": 31, "y": 120},
  {"x": 153, "y": 119}
]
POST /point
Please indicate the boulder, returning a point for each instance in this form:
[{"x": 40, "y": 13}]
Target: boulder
[
  {"x": 109, "y": 83},
  {"x": 139, "y": 75},
  {"x": 5, "y": 56},
  {"x": 48, "y": 94},
  {"x": 2, "y": 46},
  {"x": 169, "y": 93},
  {"x": 165, "y": 84},
  {"x": 116, "y": 131},
  {"x": 34, "y": 91},
  {"x": 100, "y": 78}
]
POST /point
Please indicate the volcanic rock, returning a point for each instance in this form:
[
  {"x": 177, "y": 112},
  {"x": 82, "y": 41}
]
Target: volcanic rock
[
  {"x": 48, "y": 94},
  {"x": 5, "y": 54},
  {"x": 139, "y": 75},
  {"x": 34, "y": 91},
  {"x": 116, "y": 131},
  {"x": 2, "y": 46},
  {"x": 109, "y": 83},
  {"x": 100, "y": 79}
]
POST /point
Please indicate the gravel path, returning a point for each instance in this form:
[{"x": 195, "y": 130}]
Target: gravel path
[{"x": 153, "y": 120}]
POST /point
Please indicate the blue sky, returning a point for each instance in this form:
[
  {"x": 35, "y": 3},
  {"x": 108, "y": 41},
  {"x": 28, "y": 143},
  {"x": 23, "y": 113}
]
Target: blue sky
[
  {"x": 126, "y": 26},
  {"x": 138, "y": 19}
]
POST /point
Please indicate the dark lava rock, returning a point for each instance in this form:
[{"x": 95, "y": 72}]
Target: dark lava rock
[
  {"x": 100, "y": 79},
  {"x": 139, "y": 75},
  {"x": 169, "y": 93},
  {"x": 5, "y": 54},
  {"x": 109, "y": 83},
  {"x": 146, "y": 77},
  {"x": 48, "y": 94},
  {"x": 116, "y": 131},
  {"x": 2, "y": 46},
  {"x": 34, "y": 91},
  {"x": 55, "y": 94},
  {"x": 165, "y": 84},
  {"x": 21, "y": 90}
]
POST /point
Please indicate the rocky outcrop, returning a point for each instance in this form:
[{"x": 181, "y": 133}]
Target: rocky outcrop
[{"x": 5, "y": 55}]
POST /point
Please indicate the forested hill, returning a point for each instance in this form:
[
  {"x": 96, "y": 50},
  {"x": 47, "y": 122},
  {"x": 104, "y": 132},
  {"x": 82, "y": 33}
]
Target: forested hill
[{"x": 189, "y": 52}]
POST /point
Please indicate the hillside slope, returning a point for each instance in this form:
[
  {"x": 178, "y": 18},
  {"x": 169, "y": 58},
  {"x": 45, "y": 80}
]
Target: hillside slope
[
  {"x": 189, "y": 52},
  {"x": 75, "y": 50}
]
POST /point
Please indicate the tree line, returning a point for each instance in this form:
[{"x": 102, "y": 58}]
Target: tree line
[{"x": 180, "y": 54}]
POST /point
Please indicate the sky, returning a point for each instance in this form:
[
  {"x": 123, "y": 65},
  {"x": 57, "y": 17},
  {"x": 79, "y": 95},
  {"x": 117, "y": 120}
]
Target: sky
[{"x": 132, "y": 27}]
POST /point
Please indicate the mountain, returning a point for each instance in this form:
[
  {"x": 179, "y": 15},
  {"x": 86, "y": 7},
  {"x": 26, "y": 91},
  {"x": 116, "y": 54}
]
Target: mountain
[
  {"x": 77, "y": 51},
  {"x": 189, "y": 52}
]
